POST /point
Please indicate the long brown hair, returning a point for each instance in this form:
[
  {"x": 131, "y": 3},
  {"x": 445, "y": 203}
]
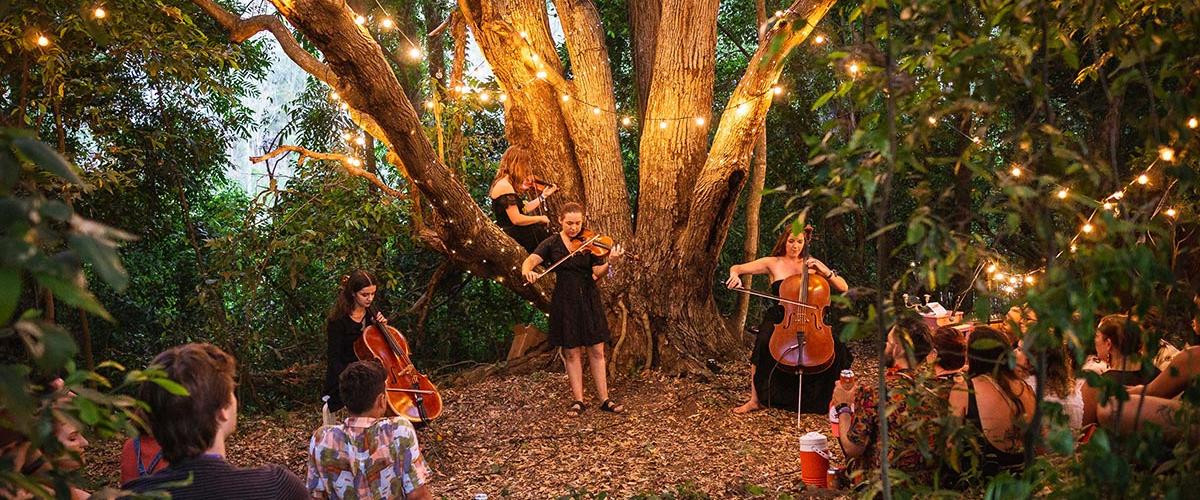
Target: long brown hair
[
  {"x": 780, "y": 248},
  {"x": 351, "y": 284},
  {"x": 515, "y": 164},
  {"x": 990, "y": 354}
]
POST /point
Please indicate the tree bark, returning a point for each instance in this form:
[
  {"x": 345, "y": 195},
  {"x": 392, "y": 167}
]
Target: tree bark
[{"x": 758, "y": 179}]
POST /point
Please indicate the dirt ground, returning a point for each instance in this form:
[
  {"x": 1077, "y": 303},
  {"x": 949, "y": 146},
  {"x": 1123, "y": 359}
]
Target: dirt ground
[{"x": 513, "y": 438}]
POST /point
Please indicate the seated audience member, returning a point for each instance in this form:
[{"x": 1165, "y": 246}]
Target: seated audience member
[
  {"x": 192, "y": 431},
  {"x": 858, "y": 408},
  {"x": 995, "y": 399},
  {"x": 140, "y": 456},
  {"x": 368, "y": 456},
  {"x": 1119, "y": 344},
  {"x": 1061, "y": 386},
  {"x": 950, "y": 347}
]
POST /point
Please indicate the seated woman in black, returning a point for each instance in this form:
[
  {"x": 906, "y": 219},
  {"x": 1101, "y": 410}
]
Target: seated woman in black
[
  {"x": 345, "y": 324},
  {"x": 995, "y": 399},
  {"x": 771, "y": 385},
  {"x": 510, "y": 209},
  {"x": 1119, "y": 344}
]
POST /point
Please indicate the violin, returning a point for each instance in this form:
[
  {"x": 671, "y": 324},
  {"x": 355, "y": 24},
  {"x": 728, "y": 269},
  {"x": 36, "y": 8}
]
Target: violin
[
  {"x": 802, "y": 341},
  {"x": 589, "y": 241},
  {"x": 409, "y": 393}
]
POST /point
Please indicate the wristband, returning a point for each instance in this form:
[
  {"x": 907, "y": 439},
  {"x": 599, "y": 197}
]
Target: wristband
[{"x": 843, "y": 408}]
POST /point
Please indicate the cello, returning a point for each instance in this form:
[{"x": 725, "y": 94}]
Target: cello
[
  {"x": 409, "y": 393},
  {"x": 802, "y": 341}
]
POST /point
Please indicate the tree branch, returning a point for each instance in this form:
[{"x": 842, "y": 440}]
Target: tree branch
[
  {"x": 242, "y": 29},
  {"x": 350, "y": 164}
]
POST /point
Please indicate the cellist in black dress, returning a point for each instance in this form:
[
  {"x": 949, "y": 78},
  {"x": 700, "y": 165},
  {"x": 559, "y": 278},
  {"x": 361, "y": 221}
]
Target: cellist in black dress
[
  {"x": 513, "y": 179},
  {"x": 770, "y": 385},
  {"x": 345, "y": 324},
  {"x": 577, "y": 319}
]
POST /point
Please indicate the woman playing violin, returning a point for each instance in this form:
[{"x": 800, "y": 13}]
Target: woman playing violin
[
  {"x": 769, "y": 384},
  {"x": 577, "y": 319},
  {"x": 344, "y": 325},
  {"x": 510, "y": 210}
]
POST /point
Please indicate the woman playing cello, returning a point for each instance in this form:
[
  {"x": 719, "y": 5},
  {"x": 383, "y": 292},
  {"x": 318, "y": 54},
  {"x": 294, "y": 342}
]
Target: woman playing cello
[
  {"x": 770, "y": 385},
  {"x": 345, "y": 324},
  {"x": 512, "y": 180},
  {"x": 577, "y": 320}
]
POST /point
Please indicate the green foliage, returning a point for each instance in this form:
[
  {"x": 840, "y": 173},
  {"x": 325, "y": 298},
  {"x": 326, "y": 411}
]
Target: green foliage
[
  {"x": 1074, "y": 95},
  {"x": 46, "y": 242}
]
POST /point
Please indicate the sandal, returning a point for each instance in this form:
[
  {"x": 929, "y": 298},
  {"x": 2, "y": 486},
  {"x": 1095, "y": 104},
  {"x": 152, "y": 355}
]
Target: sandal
[
  {"x": 577, "y": 408},
  {"x": 612, "y": 406}
]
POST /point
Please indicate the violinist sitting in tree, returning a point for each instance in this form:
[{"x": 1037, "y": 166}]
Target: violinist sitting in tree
[
  {"x": 512, "y": 212},
  {"x": 773, "y": 385},
  {"x": 577, "y": 319}
]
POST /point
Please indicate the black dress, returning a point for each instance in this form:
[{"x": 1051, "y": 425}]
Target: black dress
[
  {"x": 526, "y": 236},
  {"x": 340, "y": 334},
  {"x": 777, "y": 386},
  {"x": 576, "y": 312}
]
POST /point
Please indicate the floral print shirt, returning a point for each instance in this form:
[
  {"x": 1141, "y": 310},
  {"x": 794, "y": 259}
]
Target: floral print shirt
[{"x": 365, "y": 458}]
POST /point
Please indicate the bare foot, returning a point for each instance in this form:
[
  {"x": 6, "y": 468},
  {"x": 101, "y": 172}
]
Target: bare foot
[{"x": 748, "y": 407}]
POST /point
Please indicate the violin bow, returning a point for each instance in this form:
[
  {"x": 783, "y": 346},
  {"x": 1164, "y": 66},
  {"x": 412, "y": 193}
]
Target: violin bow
[{"x": 564, "y": 259}]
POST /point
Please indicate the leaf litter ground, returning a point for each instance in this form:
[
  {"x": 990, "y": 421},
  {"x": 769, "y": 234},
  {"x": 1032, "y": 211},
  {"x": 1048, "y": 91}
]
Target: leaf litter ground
[{"x": 512, "y": 437}]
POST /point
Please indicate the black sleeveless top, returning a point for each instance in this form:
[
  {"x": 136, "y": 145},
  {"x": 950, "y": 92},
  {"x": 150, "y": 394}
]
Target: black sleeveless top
[{"x": 994, "y": 459}]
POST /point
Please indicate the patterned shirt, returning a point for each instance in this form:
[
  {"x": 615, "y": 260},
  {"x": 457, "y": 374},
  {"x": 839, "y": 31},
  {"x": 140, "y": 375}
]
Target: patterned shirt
[
  {"x": 903, "y": 447},
  {"x": 365, "y": 458}
]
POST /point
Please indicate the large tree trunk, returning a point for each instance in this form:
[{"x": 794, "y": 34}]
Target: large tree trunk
[
  {"x": 661, "y": 305},
  {"x": 758, "y": 179}
]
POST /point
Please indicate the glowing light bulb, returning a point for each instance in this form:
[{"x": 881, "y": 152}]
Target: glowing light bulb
[
  {"x": 503, "y": 97},
  {"x": 1117, "y": 195},
  {"x": 743, "y": 108},
  {"x": 360, "y": 140},
  {"x": 1166, "y": 153},
  {"x": 429, "y": 104},
  {"x": 596, "y": 111},
  {"x": 100, "y": 13},
  {"x": 1074, "y": 248},
  {"x": 976, "y": 140},
  {"x": 346, "y": 136},
  {"x": 1016, "y": 171},
  {"x": 1143, "y": 179},
  {"x": 1171, "y": 212},
  {"x": 484, "y": 97},
  {"x": 354, "y": 161},
  {"x": 360, "y": 20},
  {"x": 414, "y": 53},
  {"x": 387, "y": 23},
  {"x": 42, "y": 41},
  {"x": 524, "y": 34},
  {"x": 1108, "y": 205},
  {"x": 626, "y": 121},
  {"x": 777, "y": 90},
  {"x": 662, "y": 124},
  {"x": 700, "y": 121},
  {"x": 1029, "y": 280},
  {"x": 819, "y": 39},
  {"x": 1193, "y": 122},
  {"x": 999, "y": 276},
  {"x": 566, "y": 97},
  {"x": 932, "y": 120},
  {"x": 1012, "y": 280},
  {"x": 853, "y": 69},
  {"x": 335, "y": 96},
  {"x": 1088, "y": 228},
  {"x": 778, "y": 13},
  {"x": 541, "y": 74},
  {"x": 1062, "y": 193},
  {"x": 344, "y": 106},
  {"x": 991, "y": 268}
]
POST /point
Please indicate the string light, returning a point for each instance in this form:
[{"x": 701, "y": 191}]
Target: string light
[
  {"x": 100, "y": 13},
  {"x": 1016, "y": 171},
  {"x": 503, "y": 97},
  {"x": 662, "y": 124},
  {"x": 626, "y": 121},
  {"x": 743, "y": 108},
  {"x": 777, "y": 90},
  {"x": 1062, "y": 193},
  {"x": 819, "y": 39},
  {"x": 42, "y": 41},
  {"x": 355, "y": 161},
  {"x": 1108, "y": 205},
  {"x": 566, "y": 97},
  {"x": 991, "y": 268},
  {"x": 932, "y": 120},
  {"x": 484, "y": 97},
  {"x": 976, "y": 140},
  {"x": 429, "y": 104},
  {"x": 541, "y": 75},
  {"x": 360, "y": 20},
  {"x": 596, "y": 110},
  {"x": 524, "y": 35},
  {"x": 334, "y": 95},
  {"x": 387, "y": 23},
  {"x": 1143, "y": 179},
  {"x": 1029, "y": 279},
  {"x": 415, "y": 53},
  {"x": 1193, "y": 122},
  {"x": 700, "y": 121},
  {"x": 1166, "y": 153},
  {"x": 360, "y": 140},
  {"x": 853, "y": 69},
  {"x": 1087, "y": 228},
  {"x": 1171, "y": 212}
]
